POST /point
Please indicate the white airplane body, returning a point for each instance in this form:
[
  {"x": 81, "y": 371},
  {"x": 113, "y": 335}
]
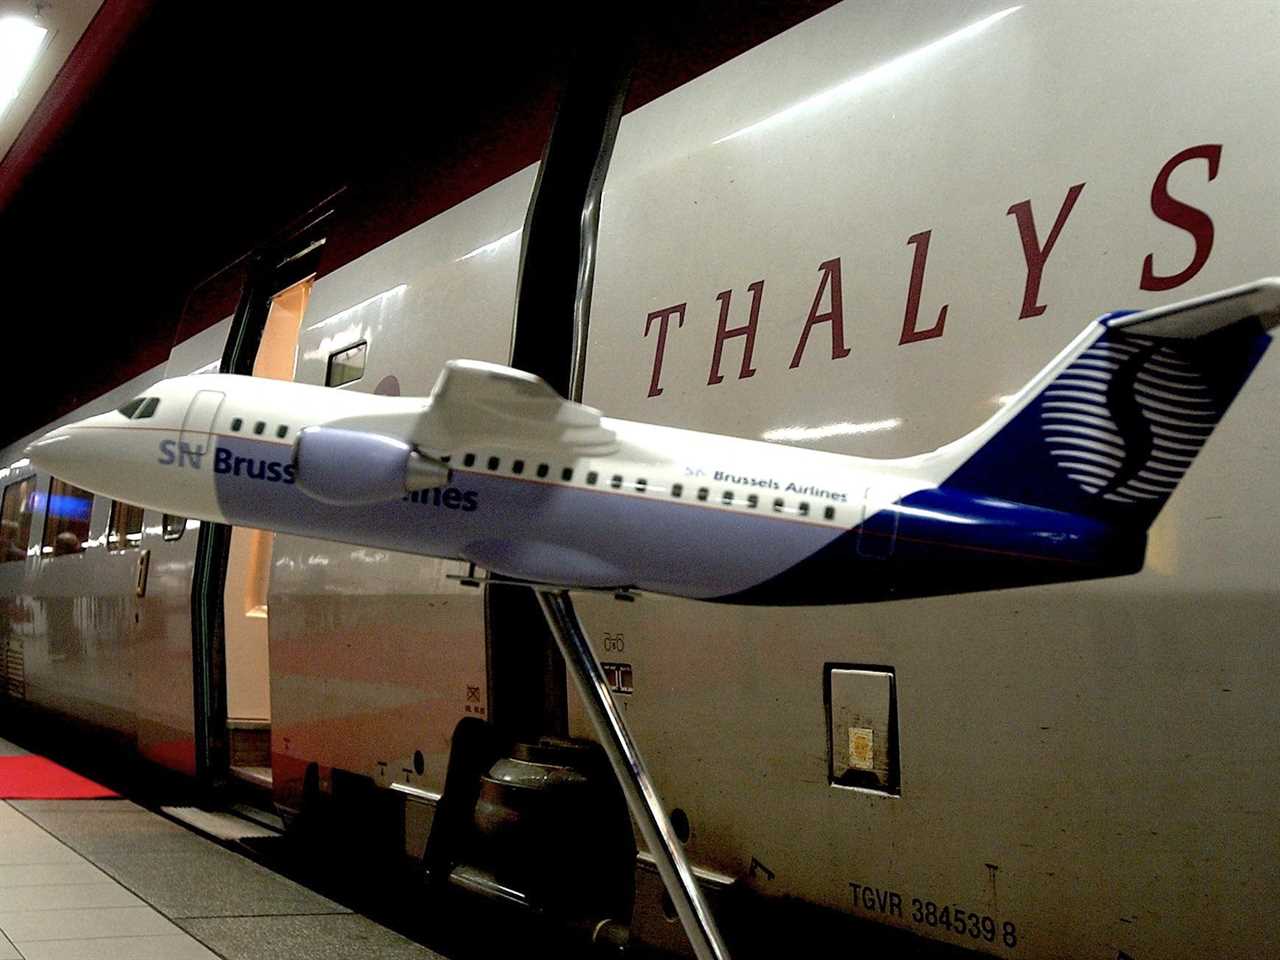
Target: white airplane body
[{"x": 497, "y": 469}]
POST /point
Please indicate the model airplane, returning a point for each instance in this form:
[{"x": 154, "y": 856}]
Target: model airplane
[{"x": 497, "y": 469}]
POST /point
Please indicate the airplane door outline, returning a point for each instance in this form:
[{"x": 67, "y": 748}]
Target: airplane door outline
[
  {"x": 878, "y": 532},
  {"x": 197, "y": 425}
]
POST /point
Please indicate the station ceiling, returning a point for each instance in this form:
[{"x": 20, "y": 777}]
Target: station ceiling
[{"x": 180, "y": 135}]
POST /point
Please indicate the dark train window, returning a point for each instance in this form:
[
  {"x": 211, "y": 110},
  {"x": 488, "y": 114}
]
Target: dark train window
[
  {"x": 15, "y": 519},
  {"x": 829, "y": 513},
  {"x": 517, "y": 466},
  {"x": 566, "y": 474},
  {"x": 346, "y": 365},
  {"x": 804, "y": 509},
  {"x": 66, "y": 522},
  {"x": 281, "y": 431},
  {"x": 174, "y": 526},
  {"x": 124, "y": 529},
  {"x": 641, "y": 484},
  {"x": 493, "y": 463},
  {"x": 469, "y": 460},
  {"x": 148, "y": 408},
  {"x": 702, "y": 493},
  {"x": 777, "y": 505},
  {"x": 259, "y": 427},
  {"x": 616, "y": 482},
  {"x": 130, "y": 408},
  {"x": 236, "y": 424},
  {"x": 677, "y": 489},
  {"x": 592, "y": 477},
  {"x": 752, "y": 501},
  {"x": 543, "y": 469},
  {"x": 727, "y": 499}
]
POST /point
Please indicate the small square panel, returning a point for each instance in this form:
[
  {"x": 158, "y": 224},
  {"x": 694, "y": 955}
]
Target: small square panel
[{"x": 862, "y": 727}]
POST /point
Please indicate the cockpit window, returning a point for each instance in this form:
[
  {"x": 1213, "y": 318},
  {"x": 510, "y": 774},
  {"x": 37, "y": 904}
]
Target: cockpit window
[{"x": 139, "y": 408}]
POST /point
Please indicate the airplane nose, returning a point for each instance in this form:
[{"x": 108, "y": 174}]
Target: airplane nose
[{"x": 54, "y": 452}]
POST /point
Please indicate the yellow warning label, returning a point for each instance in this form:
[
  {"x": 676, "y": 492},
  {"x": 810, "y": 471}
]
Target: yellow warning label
[{"x": 861, "y": 748}]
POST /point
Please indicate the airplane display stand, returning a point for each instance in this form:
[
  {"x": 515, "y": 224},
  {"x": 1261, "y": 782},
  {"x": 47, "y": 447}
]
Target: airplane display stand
[{"x": 642, "y": 799}]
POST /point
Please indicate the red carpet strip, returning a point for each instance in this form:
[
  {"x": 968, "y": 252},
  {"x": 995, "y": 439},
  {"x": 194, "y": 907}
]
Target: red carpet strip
[{"x": 35, "y": 778}]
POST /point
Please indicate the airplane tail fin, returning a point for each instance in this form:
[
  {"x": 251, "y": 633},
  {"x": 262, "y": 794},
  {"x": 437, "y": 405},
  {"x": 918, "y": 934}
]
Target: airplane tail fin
[{"x": 1111, "y": 425}]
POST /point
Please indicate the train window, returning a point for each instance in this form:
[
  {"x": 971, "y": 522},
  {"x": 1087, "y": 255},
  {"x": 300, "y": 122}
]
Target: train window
[
  {"x": 259, "y": 427},
  {"x": 130, "y": 408},
  {"x": 124, "y": 529},
  {"x": 148, "y": 408},
  {"x": 829, "y": 513},
  {"x": 727, "y": 499},
  {"x": 15, "y": 519},
  {"x": 543, "y": 469},
  {"x": 566, "y": 474},
  {"x": 641, "y": 484},
  {"x": 346, "y": 365},
  {"x": 804, "y": 509},
  {"x": 66, "y": 522},
  {"x": 616, "y": 482},
  {"x": 236, "y": 424},
  {"x": 493, "y": 463},
  {"x": 282, "y": 431},
  {"x": 677, "y": 489},
  {"x": 517, "y": 466},
  {"x": 752, "y": 501},
  {"x": 777, "y": 505},
  {"x": 173, "y": 526},
  {"x": 592, "y": 477},
  {"x": 702, "y": 493},
  {"x": 469, "y": 460}
]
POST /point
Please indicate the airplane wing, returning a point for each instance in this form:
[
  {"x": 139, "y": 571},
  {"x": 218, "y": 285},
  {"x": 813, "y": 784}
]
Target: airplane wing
[{"x": 483, "y": 405}]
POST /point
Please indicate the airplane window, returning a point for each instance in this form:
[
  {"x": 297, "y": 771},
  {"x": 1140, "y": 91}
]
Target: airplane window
[
  {"x": 543, "y": 469},
  {"x": 702, "y": 493},
  {"x": 777, "y": 505},
  {"x": 148, "y": 409},
  {"x": 124, "y": 529},
  {"x": 259, "y": 427},
  {"x": 15, "y": 519},
  {"x": 346, "y": 365},
  {"x": 469, "y": 460},
  {"x": 677, "y": 489},
  {"x": 566, "y": 474},
  {"x": 445, "y": 457},
  {"x": 727, "y": 499},
  {"x": 616, "y": 482},
  {"x": 493, "y": 463},
  {"x": 517, "y": 466},
  {"x": 752, "y": 501},
  {"x": 829, "y": 513},
  {"x": 66, "y": 522},
  {"x": 592, "y": 477},
  {"x": 281, "y": 431},
  {"x": 173, "y": 526},
  {"x": 236, "y": 423},
  {"x": 804, "y": 509},
  {"x": 641, "y": 485},
  {"x": 130, "y": 408}
]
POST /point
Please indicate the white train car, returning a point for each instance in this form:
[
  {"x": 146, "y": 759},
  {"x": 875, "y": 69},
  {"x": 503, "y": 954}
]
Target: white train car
[{"x": 861, "y": 235}]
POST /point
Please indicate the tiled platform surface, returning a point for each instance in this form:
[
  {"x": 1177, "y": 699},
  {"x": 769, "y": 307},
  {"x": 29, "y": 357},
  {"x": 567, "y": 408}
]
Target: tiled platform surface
[{"x": 108, "y": 880}]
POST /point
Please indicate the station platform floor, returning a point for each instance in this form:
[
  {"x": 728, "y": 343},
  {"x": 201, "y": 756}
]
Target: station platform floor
[{"x": 97, "y": 877}]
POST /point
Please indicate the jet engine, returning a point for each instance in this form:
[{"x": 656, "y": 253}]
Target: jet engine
[{"x": 355, "y": 467}]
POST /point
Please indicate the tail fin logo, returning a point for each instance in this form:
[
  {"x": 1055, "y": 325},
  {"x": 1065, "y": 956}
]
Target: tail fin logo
[{"x": 1127, "y": 417}]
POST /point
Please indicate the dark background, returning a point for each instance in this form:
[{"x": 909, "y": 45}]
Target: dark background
[{"x": 215, "y": 125}]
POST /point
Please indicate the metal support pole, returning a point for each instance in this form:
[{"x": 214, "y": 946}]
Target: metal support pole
[{"x": 642, "y": 798}]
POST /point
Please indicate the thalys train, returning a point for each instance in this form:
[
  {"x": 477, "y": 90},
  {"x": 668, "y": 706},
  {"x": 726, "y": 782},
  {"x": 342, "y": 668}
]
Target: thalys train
[{"x": 861, "y": 235}]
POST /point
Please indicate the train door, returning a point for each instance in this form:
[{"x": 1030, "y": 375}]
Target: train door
[{"x": 245, "y": 608}]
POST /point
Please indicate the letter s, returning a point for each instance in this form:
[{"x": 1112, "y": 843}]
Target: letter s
[
  {"x": 290, "y": 472},
  {"x": 1183, "y": 216},
  {"x": 166, "y": 452},
  {"x": 273, "y": 472},
  {"x": 469, "y": 501}
]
